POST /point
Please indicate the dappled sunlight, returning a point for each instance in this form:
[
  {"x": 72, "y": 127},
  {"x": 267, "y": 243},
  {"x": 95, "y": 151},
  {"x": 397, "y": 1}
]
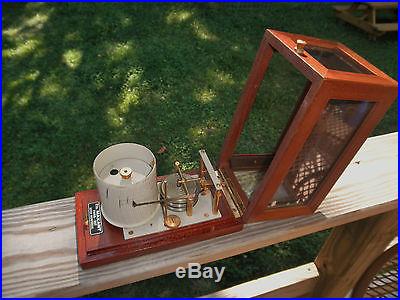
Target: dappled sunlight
[
  {"x": 130, "y": 88},
  {"x": 133, "y": 78},
  {"x": 205, "y": 95},
  {"x": 19, "y": 98},
  {"x": 119, "y": 51},
  {"x": 235, "y": 48},
  {"x": 126, "y": 22},
  {"x": 17, "y": 91},
  {"x": 36, "y": 5},
  {"x": 33, "y": 23},
  {"x": 129, "y": 96},
  {"x": 118, "y": 120},
  {"x": 37, "y": 21},
  {"x": 72, "y": 37},
  {"x": 204, "y": 130},
  {"x": 114, "y": 118},
  {"x": 50, "y": 87},
  {"x": 23, "y": 97},
  {"x": 178, "y": 16},
  {"x": 206, "y": 135},
  {"x": 24, "y": 35},
  {"x": 202, "y": 32},
  {"x": 72, "y": 58},
  {"x": 11, "y": 31},
  {"x": 221, "y": 77},
  {"x": 197, "y": 132},
  {"x": 30, "y": 76},
  {"x": 23, "y": 48}
]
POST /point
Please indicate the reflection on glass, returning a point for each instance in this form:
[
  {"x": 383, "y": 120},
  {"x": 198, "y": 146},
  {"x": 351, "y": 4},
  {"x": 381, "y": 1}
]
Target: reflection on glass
[
  {"x": 282, "y": 89},
  {"x": 249, "y": 180},
  {"x": 332, "y": 132},
  {"x": 334, "y": 59},
  {"x": 275, "y": 101}
]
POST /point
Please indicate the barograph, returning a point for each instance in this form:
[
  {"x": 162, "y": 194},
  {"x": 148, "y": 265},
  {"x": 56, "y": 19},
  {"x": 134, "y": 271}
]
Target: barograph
[{"x": 135, "y": 211}]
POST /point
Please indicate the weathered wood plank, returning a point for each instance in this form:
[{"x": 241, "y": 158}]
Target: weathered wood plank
[
  {"x": 290, "y": 283},
  {"x": 293, "y": 283},
  {"x": 39, "y": 246},
  {"x": 349, "y": 251},
  {"x": 386, "y": 26},
  {"x": 368, "y": 21},
  {"x": 360, "y": 23},
  {"x": 382, "y": 5}
]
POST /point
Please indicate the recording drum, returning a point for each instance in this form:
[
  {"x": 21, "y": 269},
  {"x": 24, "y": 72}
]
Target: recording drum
[{"x": 126, "y": 180}]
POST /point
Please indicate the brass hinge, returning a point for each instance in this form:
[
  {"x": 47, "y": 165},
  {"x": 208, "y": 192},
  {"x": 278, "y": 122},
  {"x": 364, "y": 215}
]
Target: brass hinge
[{"x": 233, "y": 199}]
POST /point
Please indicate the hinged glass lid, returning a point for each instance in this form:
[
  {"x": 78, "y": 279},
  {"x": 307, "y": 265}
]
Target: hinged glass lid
[
  {"x": 335, "y": 59},
  {"x": 307, "y": 107},
  {"x": 281, "y": 91}
]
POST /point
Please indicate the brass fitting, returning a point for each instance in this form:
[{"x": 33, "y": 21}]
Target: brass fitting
[{"x": 300, "y": 44}]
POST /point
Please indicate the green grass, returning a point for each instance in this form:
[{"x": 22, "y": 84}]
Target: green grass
[{"x": 80, "y": 77}]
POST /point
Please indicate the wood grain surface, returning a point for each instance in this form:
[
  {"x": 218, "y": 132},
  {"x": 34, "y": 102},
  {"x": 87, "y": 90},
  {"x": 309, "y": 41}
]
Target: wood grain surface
[
  {"x": 349, "y": 251},
  {"x": 292, "y": 283},
  {"x": 39, "y": 245}
]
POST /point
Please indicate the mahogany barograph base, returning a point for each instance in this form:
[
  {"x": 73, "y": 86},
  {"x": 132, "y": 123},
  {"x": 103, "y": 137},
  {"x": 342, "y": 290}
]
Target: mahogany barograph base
[{"x": 110, "y": 245}]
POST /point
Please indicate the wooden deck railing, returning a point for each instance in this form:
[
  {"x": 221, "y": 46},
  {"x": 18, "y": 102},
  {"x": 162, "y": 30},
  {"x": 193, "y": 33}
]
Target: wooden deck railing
[{"x": 39, "y": 245}]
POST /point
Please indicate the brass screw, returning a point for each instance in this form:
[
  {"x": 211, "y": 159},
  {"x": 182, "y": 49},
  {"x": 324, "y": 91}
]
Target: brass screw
[{"x": 300, "y": 44}]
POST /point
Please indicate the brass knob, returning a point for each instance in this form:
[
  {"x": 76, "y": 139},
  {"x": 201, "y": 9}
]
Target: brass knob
[
  {"x": 172, "y": 221},
  {"x": 300, "y": 44},
  {"x": 125, "y": 173}
]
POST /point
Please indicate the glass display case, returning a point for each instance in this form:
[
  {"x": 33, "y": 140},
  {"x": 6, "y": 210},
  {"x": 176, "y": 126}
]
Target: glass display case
[{"x": 341, "y": 98}]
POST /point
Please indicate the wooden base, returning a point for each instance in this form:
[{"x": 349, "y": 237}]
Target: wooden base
[{"x": 110, "y": 246}]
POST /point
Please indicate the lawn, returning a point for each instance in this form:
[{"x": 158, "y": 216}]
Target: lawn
[{"x": 79, "y": 77}]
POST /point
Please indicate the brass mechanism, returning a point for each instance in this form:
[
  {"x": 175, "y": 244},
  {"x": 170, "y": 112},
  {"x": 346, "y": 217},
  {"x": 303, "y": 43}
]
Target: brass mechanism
[
  {"x": 182, "y": 182},
  {"x": 184, "y": 196},
  {"x": 216, "y": 199},
  {"x": 170, "y": 221}
]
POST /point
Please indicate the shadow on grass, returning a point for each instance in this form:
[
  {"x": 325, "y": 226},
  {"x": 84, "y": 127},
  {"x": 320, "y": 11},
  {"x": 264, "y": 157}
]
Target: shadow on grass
[{"x": 80, "y": 77}]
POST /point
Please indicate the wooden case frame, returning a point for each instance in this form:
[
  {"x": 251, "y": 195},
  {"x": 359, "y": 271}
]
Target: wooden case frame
[{"x": 325, "y": 85}]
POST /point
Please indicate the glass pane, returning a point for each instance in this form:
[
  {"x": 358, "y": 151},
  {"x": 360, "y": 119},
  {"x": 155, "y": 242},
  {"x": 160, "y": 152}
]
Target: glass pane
[
  {"x": 337, "y": 124},
  {"x": 334, "y": 59},
  {"x": 249, "y": 180},
  {"x": 281, "y": 90}
]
